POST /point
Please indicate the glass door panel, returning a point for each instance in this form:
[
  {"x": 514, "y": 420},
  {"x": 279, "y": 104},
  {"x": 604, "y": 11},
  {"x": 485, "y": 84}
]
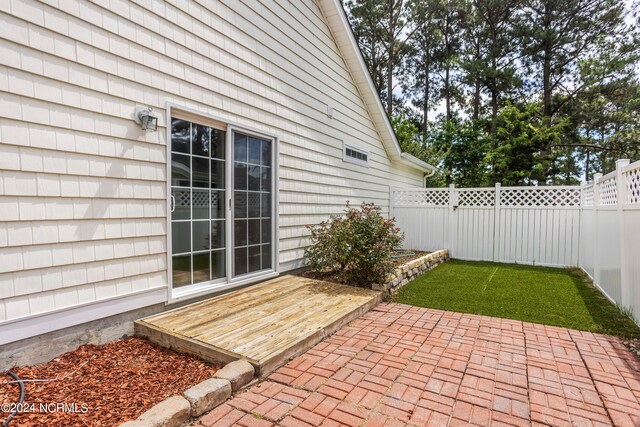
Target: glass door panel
[
  {"x": 198, "y": 214},
  {"x": 200, "y": 191},
  {"x": 252, "y": 196}
]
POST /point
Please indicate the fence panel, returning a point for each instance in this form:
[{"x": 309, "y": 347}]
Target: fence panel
[
  {"x": 587, "y": 241},
  {"x": 608, "y": 274},
  {"x": 508, "y": 224},
  {"x": 423, "y": 216},
  {"x": 631, "y": 227},
  {"x": 473, "y": 222},
  {"x": 595, "y": 227}
]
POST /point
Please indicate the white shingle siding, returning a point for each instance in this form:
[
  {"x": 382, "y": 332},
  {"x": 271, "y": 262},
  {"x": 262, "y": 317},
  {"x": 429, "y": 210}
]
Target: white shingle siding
[{"x": 83, "y": 188}]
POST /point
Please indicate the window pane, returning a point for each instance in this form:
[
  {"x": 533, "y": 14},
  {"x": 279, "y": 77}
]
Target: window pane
[
  {"x": 180, "y": 237},
  {"x": 218, "y": 264},
  {"x": 240, "y": 176},
  {"x": 253, "y": 205},
  {"x": 240, "y": 204},
  {"x": 266, "y": 231},
  {"x": 217, "y": 174},
  {"x": 254, "y": 258},
  {"x": 217, "y": 234},
  {"x": 240, "y": 148},
  {"x": 254, "y": 150},
  {"x": 266, "y": 153},
  {"x": 254, "y": 231},
  {"x": 265, "y": 179},
  {"x": 254, "y": 178},
  {"x": 265, "y": 205},
  {"x": 240, "y": 261},
  {"x": 180, "y": 168},
  {"x": 217, "y": 143},
  {"x": 181, "y": 266},
  {"x": 200, "y": 235},
  {"x": 200, "y": 204},
  {"x": 182, "y": 204},
  {"x": 180, "y": 135},
  {"x": 201, "y": 268},
  {"x": 218, "y": 204},
  {"x": 266, "y": 256},
  {"x": 240, "y": 232},
  {"x": 200, "y": 141},
  {"x": 200, "y": 172}
]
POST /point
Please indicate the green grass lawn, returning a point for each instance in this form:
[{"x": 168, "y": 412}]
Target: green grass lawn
[{"x": 535, "y": 294}]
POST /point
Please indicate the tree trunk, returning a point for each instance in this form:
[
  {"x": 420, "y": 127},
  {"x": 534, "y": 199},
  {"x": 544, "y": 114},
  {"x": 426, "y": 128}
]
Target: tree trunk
[
  {"x": 476, "y": 100},
  {"x": 390, "y": 85},
  {"x": 447, "y": 66},
  {"x": 425, "y": 101},
  {"x": 476, "y": 92},
  {"x": 587, "y": 165},
  {"x": 390, "y": 60},
  {"x": 447, "y": 101},
  {"x": 546, "y": 66},
  {"x": 494, "y": 90}
]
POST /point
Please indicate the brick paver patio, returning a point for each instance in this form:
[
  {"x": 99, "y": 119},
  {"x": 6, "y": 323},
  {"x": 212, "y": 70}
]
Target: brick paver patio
[{"x": 402, "y": 365}]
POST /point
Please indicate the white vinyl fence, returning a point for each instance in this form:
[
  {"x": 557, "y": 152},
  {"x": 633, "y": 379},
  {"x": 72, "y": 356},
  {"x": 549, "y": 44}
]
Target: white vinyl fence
[{"x": 595, "y": 226}]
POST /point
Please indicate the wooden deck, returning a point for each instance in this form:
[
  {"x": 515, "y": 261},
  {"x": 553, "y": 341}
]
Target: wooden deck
[{"x": 266, "y": 324}]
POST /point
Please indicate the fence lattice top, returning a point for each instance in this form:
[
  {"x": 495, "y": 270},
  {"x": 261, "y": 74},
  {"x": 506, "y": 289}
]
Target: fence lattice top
[
  {"x": 426, "y": 197},
  {"x": 486, "y": 197},
  {"x": 588, "y": 194},
  {"x": 200, "y": 198},
  {"x": 540, "y": 197},
  {"x": 608, "y": 192},
  {"x": 620, "y": 186},
  {"x": 632, "y": 178},
  {"x": 481, "y": 198}
]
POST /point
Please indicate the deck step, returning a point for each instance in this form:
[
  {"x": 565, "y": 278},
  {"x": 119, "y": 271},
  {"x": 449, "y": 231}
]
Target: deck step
[{"x": 266, "y": 324}]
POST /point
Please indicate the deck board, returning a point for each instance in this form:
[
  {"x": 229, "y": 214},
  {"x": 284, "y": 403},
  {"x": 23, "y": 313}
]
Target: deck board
[{"x": 265, "y": 324}]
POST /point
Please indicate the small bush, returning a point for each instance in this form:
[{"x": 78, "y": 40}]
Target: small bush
[{"x": 357, "y": 243}]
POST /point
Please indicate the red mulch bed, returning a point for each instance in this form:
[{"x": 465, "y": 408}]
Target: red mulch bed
[{"x": 115, "y": 382}]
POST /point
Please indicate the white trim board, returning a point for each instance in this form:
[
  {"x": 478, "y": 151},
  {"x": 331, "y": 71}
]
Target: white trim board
[{"x": 38, "y": 324}]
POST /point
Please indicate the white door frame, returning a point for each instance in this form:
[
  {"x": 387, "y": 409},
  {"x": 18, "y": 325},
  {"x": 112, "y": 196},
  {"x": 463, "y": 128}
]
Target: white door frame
[{"x": 228, "y": 282}]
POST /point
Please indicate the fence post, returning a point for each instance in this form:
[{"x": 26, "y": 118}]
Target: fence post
[
  {"x": 583, "y": 184},
  {"x": 496, "y": 224},
  {"x": 453, "y": 223},
  {"x": 621, "y": 184},
  {"x": 596, "y": 239}
]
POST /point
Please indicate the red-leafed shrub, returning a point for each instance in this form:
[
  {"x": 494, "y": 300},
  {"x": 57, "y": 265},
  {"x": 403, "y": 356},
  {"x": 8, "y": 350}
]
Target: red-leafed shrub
[{"x": 357, "y": 243}]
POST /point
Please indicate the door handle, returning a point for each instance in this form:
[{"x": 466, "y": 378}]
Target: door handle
[{"x": 173, "y": 203}]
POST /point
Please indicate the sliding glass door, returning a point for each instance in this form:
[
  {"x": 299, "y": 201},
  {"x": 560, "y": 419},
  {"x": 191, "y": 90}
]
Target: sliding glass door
[
  {"x": 198, "y": 217},
  {"x": 252, "y": 199},
  {"x": 221, "y": 205}
]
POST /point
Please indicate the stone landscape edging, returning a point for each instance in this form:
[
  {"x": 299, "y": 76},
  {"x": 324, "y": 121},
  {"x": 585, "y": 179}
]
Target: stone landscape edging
[
  {"x": 176, "y": 411},
  {"x": 411, "y": 270}
]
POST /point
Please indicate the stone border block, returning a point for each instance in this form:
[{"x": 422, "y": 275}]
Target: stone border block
[
  {"x": 199, "y": 399},
  {"x": 238, "y": 373},
  {"x": 411, "y": 270},
  {"x": 207, "y": 395},
  {"x": 172, "y": 412}
]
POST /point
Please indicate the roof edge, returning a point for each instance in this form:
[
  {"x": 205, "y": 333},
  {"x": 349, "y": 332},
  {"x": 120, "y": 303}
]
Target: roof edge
[
  {"x": 411, "y": 160},
  {"x": 341, "y": 29}
]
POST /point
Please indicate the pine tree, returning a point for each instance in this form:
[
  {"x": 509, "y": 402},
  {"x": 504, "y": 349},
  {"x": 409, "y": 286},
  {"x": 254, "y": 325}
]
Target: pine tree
[
  {"x": 420, "y": 84},
  {"x": 554, "y": 35},
  {"x": 450, "y": 17}
]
